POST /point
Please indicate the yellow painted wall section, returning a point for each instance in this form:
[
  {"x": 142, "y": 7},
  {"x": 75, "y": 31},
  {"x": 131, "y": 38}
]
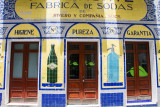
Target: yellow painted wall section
[
  {"x": 82, "y": 30},
  {"x": 59, "y": 50},
  {"x": 138, "y": 31},
  {"x": 81, "y": 9},
  {"x": 2, "y": 57},
  {"x": 24, "y": 30},
  {"x": 118, "y": 49},
  {"x": 158, "y": 60}
]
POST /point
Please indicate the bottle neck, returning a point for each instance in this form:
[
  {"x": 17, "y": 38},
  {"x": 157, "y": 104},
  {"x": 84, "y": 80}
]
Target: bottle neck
[
  {"x": 52, "y": 49},
  {"x": 52, "y": 46},
  {"x": 112, "y": 50}
]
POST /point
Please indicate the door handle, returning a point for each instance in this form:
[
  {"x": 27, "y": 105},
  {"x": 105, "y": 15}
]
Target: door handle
[{"x": 83, "y": 79}]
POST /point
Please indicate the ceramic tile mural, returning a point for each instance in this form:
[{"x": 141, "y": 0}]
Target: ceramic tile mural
[
  {"x": 113, "y": 64},
  {"x": 52, "y": 64},
  {"x": 113, "y": 9},
  {"x": 138, "y": 31},
  {"x": 78, "y": 30},
  {"x": 24, "y": 30},
  {"x": 55, "y": 23}
]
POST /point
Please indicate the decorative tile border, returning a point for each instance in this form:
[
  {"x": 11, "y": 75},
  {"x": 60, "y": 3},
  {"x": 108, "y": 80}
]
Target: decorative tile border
[
  {"x": 53, "y": 29},
  {"x": 157, "y": 30},
  {"x": 112, "y": 30},
  {"x": 7, "y": 10},
  {"x": 3, "y": 30},
  {"x": 151, "y": 11}
]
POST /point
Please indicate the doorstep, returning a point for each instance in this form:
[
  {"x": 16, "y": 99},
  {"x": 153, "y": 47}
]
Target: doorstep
[
  {"x": 84, "y": 105},
  {"x": 22, "y": 105}
]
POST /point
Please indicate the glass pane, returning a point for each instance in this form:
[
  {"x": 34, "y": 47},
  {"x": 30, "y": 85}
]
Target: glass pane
[
  {"x": 142, "y": 47},
  {"x": 33, "y": 46},
  {"x": 33, "y": 65},
  {"x": 90, "y": 47},
  {"x": 143, "y": 68},
  {"x": 17, "y": 65},
  {"x": 73, "y": 47},
  {"x": 89, "y": 66},
  {"x": 74, "y": 66},
  {"x": 129, "y": 47},
  {"x": 18, "y": 46},
  {"x": 130, "y": 64}
]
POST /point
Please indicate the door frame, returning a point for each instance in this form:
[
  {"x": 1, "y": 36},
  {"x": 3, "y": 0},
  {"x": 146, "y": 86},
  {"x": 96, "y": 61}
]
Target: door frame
[
  {"x": 153, "y": 68},
  {"x": 8, "y": 63},
  {"x": 98, "y": 59}
]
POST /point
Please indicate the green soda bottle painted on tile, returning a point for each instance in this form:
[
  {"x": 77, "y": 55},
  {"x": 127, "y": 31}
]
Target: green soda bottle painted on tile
[{"x": 52, "y": 66}]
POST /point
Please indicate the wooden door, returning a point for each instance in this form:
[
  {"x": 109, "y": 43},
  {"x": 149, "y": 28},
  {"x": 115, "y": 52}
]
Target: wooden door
[
  {"x": 82, "y": 72},
  {"x": 138, "y": 70},
  {"x": 24, "y": 72}
]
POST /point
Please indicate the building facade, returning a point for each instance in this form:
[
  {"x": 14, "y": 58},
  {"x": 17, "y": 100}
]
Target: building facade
[{"x": 70, "y": 53}]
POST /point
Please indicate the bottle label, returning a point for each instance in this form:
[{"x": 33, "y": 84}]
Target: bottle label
[{"x": 52, "y": 66}]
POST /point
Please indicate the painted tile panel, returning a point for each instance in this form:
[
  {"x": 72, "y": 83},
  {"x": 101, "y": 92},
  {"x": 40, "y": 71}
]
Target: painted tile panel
[
  {"x": 82, "y": 30},
  {"x": 144, "y": 10},
  {"x": 138, "y": 31},
  {"x": 112, "y": 63},
  {"x": 24, "y": 31},
  {"x": 52, "y": 64}
]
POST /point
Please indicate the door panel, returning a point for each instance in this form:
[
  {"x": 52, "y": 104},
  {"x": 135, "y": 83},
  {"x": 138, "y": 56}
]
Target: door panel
[
  {"x": 138, "y": 70},
  {"x": 33, "y": 65},
  {"x": 73, "y": 66},
  {"x": 24, "y": 71},
  {"x": 17, "y": 66},
  {"x": 82, "y": 72},
  {"x": 90, "y": 81},
  {"x": 17, "y": 81},
  {"x": 32, "y": 74},
  {"x": 89, "y": 66},
  {"x": 131, "y": 85}
]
